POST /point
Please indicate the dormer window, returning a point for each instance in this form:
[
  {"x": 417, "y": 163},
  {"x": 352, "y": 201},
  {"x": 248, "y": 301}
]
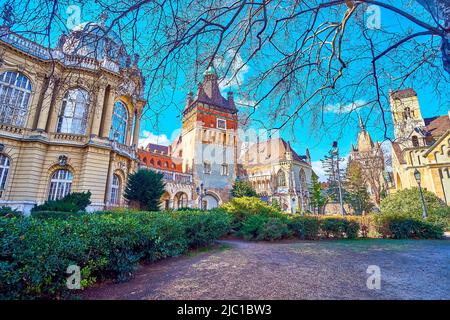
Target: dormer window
[{"x": 221, "y": 124}]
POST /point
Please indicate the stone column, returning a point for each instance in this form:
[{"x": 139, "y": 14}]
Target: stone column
[
  {"x": 137, "y": 125},
  {"x": 107, "y": 118},
  {"x": 36, "y": 103},
  {"x": 109, "y": 179},
  {"x": 52, "y": 116},
  {"x": 46, "y": 105},
  {"x": 98, "y": 111},
  {"x": 129, "y": 127}
]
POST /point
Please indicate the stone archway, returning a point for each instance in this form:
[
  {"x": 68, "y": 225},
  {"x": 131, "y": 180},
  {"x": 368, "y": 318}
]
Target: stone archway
[
  {"x": 210, "y": 201},
  {"x": 165, "y": 201},
  {"x": 180, "y": 200}
]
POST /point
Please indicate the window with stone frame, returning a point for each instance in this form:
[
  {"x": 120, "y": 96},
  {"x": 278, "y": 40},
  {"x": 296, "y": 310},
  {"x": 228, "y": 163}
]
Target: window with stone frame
[
  {"x": 15, "y": 94},
  {"x": 60, "y": 184},
  {"x": 74, "y": 112},
  {"x": 4, "y": 170}
]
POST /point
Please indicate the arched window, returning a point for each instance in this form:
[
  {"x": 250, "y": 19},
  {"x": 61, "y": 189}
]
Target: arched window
[
  {"x": 4, "y": 169},
  {"x": 152, "y": 162},
  {"x": 74, "y": 112},
  {"x": 415, "y": 141},
  {"x": 115, "y": 190},
  {"x": 15, "y": 92},
  {"x": 181, "y": 200},
  {"x": 144, "y": 160},
  {"x": 60, "y": 184},
  {"x": 119, "y": 123},
  {"x": 302, "y": 179},
  {"x": 407, "y": 113},
  {"x": 159, "y": 163},
  {"x": 281, "y": 179}
]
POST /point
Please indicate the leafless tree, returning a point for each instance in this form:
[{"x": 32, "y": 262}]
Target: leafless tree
[{"x": 288, "y": 61}]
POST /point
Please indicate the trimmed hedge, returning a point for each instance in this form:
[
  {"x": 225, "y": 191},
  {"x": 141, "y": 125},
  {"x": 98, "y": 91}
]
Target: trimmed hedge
[
  {"x": 35, "y": 253},
  {"x": 305, "y": 227},
  {"x": 397, "y": 227},
  {"x": 262, "y": 227}
]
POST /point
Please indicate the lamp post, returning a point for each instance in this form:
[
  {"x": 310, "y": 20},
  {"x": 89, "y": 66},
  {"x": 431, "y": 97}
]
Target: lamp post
[
  {"x": 424, "y": 208},
  {"x": 292, "y": 205},
  {"x": 335, "y": 152},
  {"x": 201, "y": 191}
]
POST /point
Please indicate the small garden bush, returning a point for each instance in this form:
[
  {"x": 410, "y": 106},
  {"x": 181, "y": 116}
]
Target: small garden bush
[
  {"x": 339, "y": 228},
  {"x": 407, "y": 204},
  {"x": 244, "y": 207},
  {"x": 305, "y": 227},
  {"x": 8, "y": 212},
  {"x": 35, "y": 253},
  {"x": 263, "y": 227},
  {"x": 399, "y": 227},
  {"x": 73, "y": 202}
]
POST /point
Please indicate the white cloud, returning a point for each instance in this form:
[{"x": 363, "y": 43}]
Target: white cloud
[
  {"x": 148, "y": 137},
  {"x": 237, "y": 70},
  {"x": 340, "y": 108},
  {"x": 318, "y": 168}
]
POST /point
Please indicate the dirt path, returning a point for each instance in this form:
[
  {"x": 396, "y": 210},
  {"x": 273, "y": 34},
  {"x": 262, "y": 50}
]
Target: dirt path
[{"x": 294, "y": 270}]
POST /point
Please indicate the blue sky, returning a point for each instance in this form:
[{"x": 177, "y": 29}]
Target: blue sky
[{"x": 340, "y": 123}]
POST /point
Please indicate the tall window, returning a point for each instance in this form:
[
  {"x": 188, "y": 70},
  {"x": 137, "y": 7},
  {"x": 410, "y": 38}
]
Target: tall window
[
  {"x": 415, "y": 141},
  {"x": 281, "y": 179},
  {"x": 74, "y": 112},
  {"x": 115, "y": 190},
  {"x": 407, "y": 113},
  {"x": 4, "y": 169},
  {"x": 182, "y": 200},
  {"x": 224, "y": 169},
  {"x": 302, "y": 179},
  {"x": 119, "y": 123},
  {"x": 15, "y": 92},
  {"x": 207, "y": 167},
  {"x": 60, "y": 184}
]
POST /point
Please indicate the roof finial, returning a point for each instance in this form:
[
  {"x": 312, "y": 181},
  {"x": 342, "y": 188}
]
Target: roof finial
[
  {"x": 211, "y": 70},
  {"x": 103, "y": 18},
  {"x": 361, "y": 123}
]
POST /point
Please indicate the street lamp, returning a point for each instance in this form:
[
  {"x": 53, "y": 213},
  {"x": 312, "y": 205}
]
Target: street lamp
[
  {"x": 201, "y": 191},
  {"x": 335, "y": 152},
  {"x": 292, "y": 205},
  {"x": 424, "y": 208}
]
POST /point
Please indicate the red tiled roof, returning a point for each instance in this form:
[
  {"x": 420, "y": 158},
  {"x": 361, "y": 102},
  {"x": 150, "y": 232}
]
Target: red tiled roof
[
  {"x": 437, "y": 126},
  {"x": 405, "y": 93}
]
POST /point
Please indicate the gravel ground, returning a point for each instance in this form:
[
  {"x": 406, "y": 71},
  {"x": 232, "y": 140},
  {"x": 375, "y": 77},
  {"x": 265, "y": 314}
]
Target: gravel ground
[{"x": 410, "y": 269}]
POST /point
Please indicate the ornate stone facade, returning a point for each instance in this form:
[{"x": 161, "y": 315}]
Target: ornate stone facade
[
  {"x": 69, "y": 117},
  {"x": 202, "y": 164},
  {"x": 420, "y": 143}
]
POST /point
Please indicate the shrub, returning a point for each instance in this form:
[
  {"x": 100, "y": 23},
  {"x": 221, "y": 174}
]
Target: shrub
[
  {"x": 73, "y": 202},
  {"x": 407, "y": 228},
  {"x": 407, "y": 203},
  {"x": 203, "y": 227},
  {"x": 145, "y": 187},
  {"x": 261, "y": 227},
  {"x": 242, "y": 208},
  {"x": 9, "y": 212},
  {"x": 56, "y": 214},
  {"x": 305, "y": 227},
  {"x": 243, "y": 189},
  {"x": 35, "y": 253},
  {"x": 339, "y": 228}
]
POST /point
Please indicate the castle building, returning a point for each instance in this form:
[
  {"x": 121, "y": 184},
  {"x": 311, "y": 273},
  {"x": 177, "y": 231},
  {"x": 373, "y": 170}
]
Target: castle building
[
  {"x": 369, "y": 156},
  {"x": 202, "y": 164},
  {"x": 420, "y": 143},
  {"x": 278, "y": 173},
  {"x": 69, "y": 117}
]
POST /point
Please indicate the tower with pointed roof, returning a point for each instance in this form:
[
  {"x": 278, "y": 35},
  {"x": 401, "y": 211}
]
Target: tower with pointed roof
[
  {"x": 370, "y": 157},
  {"x": 208, "y": 142}
]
